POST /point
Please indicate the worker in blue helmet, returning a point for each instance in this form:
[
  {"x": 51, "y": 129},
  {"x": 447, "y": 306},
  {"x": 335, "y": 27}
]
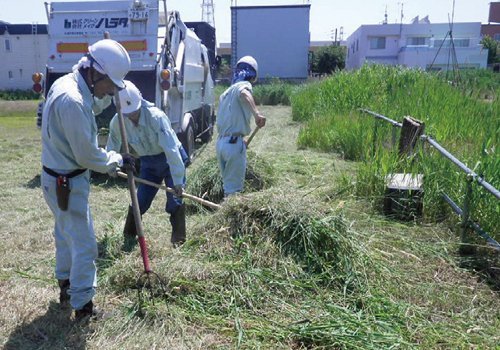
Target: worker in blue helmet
[{"x": 236, "y": 108}]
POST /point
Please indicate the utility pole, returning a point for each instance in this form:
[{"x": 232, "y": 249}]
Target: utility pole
[
  {"x": 334, "y": 36},
  {"x": 234, "y": 33}
]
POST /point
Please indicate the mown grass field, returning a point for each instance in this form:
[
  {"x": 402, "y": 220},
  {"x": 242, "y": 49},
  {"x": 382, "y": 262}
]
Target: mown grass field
[{"x": 298, "y": 265}]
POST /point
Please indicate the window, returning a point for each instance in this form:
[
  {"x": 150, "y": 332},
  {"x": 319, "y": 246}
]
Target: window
[
  {"x": 497, "y": 37},
  {"x": 11, "y": 75},
  {"x": 461, "y": 42},
  {"x": 456, "y": 42},
  {"x": 416, "y": 41},
  {"x": 377, "y": 43},
  {"x": 7, "y": 45},
  {"x": 20, "y": 73},
  {"x": 357, "y": 44}
]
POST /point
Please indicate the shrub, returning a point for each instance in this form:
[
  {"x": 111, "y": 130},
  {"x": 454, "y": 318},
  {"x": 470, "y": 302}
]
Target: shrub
[{"x": 14, "y": 95}]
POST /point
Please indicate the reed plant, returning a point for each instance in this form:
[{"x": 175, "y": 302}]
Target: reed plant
[{"x": 464, "y": 124}]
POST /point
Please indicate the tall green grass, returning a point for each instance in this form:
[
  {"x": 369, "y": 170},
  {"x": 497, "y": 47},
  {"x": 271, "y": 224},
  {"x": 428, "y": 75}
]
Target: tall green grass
[
  {"x": 272, "y": 93},
  {"x": 466, "y": 125},
  {"x": 482, "y": 83}
]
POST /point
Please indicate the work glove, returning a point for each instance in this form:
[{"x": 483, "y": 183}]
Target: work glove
[
  {"x": 178, "y": 190},
  {"x": 128, "y": 162}
]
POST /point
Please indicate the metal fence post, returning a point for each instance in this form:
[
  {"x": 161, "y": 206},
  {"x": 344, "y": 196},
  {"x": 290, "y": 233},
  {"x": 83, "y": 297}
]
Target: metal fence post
[{"x": 466, "y": 248}]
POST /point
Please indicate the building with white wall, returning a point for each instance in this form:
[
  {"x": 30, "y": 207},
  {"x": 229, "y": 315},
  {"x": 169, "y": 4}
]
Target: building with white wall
[
  {"x": 420, "y": 44},
  {"x": 23, "y": 51},
  {"x": 277, "y": 36}
]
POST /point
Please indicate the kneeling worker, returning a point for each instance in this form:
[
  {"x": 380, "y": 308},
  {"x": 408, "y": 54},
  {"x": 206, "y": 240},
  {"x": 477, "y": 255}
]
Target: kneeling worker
[{"x": 162, "y": 158}]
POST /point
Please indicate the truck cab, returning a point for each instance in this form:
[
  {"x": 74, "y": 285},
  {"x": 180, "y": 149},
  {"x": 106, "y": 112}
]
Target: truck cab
[{"x": 169, "y": 63}]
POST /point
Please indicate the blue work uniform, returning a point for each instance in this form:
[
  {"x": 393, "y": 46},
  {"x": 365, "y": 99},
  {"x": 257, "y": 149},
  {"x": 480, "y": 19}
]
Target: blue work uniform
[
  {"x": 161, "y": 153},
  {"x": 69, "y": 145},
  {"x": 233, "y": 122}
]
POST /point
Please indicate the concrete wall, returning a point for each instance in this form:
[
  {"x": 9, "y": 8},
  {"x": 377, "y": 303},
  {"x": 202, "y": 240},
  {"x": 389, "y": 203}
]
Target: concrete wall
[
  {"x": 277, "y": 36},
  {"x": 27, "y": 54}
]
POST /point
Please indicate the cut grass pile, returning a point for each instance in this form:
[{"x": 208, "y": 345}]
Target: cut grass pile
[
  {"x": 206, "y": 182},
  {"x": 317, "y": 241},
  {"x": 264, "y": 252}
]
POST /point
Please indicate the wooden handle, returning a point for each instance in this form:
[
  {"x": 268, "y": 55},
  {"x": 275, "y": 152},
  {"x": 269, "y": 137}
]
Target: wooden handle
[
  {"x": 131, "y": 183},
  {"x": 132, "y": 189},
  {"x": 252, "y": 135},
  {"x": 168, "y": 189}
]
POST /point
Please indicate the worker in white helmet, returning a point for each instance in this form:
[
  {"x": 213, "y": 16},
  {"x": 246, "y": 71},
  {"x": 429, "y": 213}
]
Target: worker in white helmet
[
  {"x": 236, "y": 108},
  {"x": 162, "y": 158},
  {"x": 69, "y": 150}
]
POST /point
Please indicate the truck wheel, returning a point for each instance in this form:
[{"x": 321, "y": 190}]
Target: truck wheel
[
  {"x": 187, "y": 141},
  {"x": 39, "y": 113}
]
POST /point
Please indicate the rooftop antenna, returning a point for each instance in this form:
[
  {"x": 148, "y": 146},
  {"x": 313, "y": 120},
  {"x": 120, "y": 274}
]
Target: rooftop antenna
[
  {"x": 402, "y": 16},
  {"x": 385, "y": 16}
]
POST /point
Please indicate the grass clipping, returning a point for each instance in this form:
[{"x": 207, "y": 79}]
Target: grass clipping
[
  {"x": 206, "y": 182},
  {"x": 318, "y": 241}
]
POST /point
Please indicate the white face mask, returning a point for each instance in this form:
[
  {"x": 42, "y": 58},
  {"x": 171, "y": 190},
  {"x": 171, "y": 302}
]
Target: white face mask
[{"x": 100, "y": 104}]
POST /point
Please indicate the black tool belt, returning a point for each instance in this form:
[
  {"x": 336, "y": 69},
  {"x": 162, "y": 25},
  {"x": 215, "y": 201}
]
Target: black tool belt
[
  {"x": 233, "y": 138},
  {"x": 62, "y": 186},
  {"x": 69, "y": 176}
]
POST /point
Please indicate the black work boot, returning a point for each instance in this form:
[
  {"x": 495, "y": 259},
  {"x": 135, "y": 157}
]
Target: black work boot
[
  {"x": 87, "y": 312},
  {"x": 129, "y": 232},
  {"x": 63, "y": 294},
  {"x": 178, "y": 221}
]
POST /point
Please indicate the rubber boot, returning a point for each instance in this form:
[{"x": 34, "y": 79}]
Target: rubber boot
[
  {"x": 63, "y": 294},
  {"x": 178, "y": 221},
  {"x": 129, "y": 232}
]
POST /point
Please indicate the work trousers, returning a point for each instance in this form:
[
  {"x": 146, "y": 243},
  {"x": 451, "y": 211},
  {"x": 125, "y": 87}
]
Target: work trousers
[
  {"x": 232, "y": 159},
  {"x": 76, "y": 246},
  {"x": 156, "y": 169}
]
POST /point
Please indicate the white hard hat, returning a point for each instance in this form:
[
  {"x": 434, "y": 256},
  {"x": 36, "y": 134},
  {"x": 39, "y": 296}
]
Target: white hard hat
[
  {"x": 112, "y": 58},
  {"x": 251, "y": 61},
  {"x": 130, "y": 97}
]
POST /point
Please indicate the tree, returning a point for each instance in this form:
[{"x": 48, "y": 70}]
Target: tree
[
  {"x": 493, "y": 51},
  {"x": 328, "y": 59}
]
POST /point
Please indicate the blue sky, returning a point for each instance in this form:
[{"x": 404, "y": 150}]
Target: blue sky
[{"x": 326, "y": 15}]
